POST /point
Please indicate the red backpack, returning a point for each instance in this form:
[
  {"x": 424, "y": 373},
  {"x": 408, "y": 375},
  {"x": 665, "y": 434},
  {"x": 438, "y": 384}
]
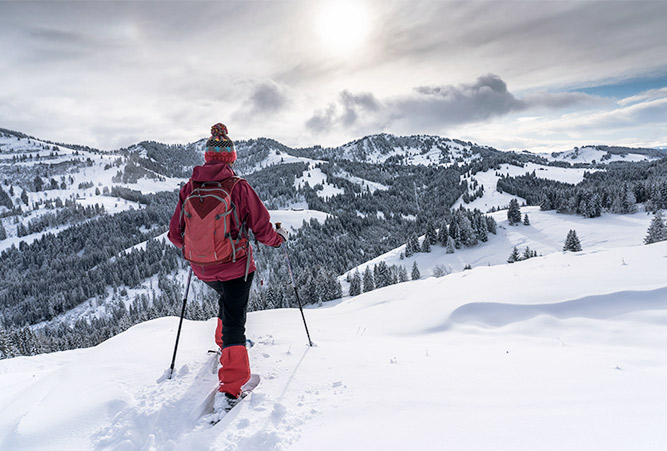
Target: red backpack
[{"x": 208, "y": 212}]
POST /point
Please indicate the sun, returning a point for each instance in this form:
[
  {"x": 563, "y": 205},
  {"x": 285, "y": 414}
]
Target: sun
[{"x": 343, "y": 25}]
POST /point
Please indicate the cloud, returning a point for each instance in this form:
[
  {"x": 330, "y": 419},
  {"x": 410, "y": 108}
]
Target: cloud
[
  {"x": 346, "y": 113},
  {"x": 267, "y": 97},
  {"x": 651, "y": 94},
  {"x": 435, "y": 107}
]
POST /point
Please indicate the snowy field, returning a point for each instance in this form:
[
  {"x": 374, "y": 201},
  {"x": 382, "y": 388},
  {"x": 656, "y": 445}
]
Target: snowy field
[
  {"x": 546, "y": 234},
  {"x": 558, "y": 352},
  {"x": 590, "y": 154},
  {"x": 489, "y": 180}
]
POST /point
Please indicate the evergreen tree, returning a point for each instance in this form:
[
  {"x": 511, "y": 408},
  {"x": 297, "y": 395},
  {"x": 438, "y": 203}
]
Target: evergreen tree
[
  {"x": 382, "y": 275},
  {"x": 414, "y": 244},
  {"x": 572, "y": 242},
  {"x": 514, "y": 212},
  {"x": 24, "y": 197},
  {"x": 442, "y": 234},
  {"x": 355, "y": 284},
  {"x": 426, "y": 245},
  {"x": 431, "y": 235},
  {"x": 514, "y": 256},
  {"x": 657, "y": 231},
  {"x": 450, "y": 245},
  {"x": 7, "y": 346},
  {"x": 402, "y": 274},
  {"x": 5, "y": 199},
  {"x": 411, "y": 245},
  {"x": 369, "y": 283},
  {"x": 491, "y": 224},
  {"x": 415, "y": 271},
  {"x": 3, "y": 232},
  {"x": 39, "y": 183},
  {"x": 526, "y": 221},
  {"x": 527, "y": 253}
]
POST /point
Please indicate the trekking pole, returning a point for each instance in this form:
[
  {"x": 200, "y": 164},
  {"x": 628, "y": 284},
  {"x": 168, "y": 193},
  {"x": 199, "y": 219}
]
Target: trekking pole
[
  {"x": 296, "y": 292},
  {"x": 180, "y": 324}
]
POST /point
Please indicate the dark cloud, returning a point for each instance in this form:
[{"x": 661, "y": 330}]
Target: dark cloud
[
  {"x": 323, "y": 121},
  {"x": 430, "y": 107},
  {"x": 346, "y": 113},
  {"x": 487, "y": 97},
  {"x": 268, "y": 98}
]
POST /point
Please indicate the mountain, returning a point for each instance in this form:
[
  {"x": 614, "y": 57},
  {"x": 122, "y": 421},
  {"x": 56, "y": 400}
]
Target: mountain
[{"x": 84, "y": 250}]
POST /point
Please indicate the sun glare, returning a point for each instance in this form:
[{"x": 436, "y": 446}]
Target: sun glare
[{"x": 343, "y": 25}]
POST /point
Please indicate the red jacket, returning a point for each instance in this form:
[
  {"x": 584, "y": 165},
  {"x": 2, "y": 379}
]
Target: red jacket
[{"x": 250, "y": 209}]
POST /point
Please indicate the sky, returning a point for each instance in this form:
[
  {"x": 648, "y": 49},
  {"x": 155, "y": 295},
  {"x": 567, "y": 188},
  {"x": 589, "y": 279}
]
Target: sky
[{"x": 535, "y": 75}]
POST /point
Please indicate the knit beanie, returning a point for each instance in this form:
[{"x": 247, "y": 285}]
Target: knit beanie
[{"x": 219, "y": 147}]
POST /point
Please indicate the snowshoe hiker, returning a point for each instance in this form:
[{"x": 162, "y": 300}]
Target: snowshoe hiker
[{"x": 210, "y": 225}]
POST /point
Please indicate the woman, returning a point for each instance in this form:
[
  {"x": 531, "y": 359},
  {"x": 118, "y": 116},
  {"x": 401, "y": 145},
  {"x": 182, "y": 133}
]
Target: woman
[{"x": 230, "y": 275}]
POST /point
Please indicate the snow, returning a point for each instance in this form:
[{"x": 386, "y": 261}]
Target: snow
[
  {"x": 293, "y": 219},
  {"x": 589, "y": 154},
  {"x": 314, "y": 176},
  {"x": 545, "y": 234},
  {"x": 558, "y": 352},
  {"x": 363, "y": 183},
  {"x": 492, "y": 198}
]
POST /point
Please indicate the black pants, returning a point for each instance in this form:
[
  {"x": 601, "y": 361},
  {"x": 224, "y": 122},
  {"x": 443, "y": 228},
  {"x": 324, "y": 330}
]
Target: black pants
[{"x": 233, "y": 303}]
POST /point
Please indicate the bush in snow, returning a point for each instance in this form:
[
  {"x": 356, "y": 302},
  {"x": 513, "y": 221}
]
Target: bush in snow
[{"x": 441, "y": 270}]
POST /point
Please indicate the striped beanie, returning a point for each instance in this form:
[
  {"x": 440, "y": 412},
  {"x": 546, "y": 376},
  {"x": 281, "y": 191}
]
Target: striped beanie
[{"x": 219, "y": 147}]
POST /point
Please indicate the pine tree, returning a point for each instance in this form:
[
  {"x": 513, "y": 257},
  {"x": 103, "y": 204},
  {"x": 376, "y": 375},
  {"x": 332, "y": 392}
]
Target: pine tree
[
  {"x": 355, "y": 284},
  {"x": 572, "y": 243},
  {"x": 527, "y": 253},
  {"x": 442, "y": 234},
  {"x": 526, "y": 221},
  {"x": 382, "y": 275},
  {"x": 450, "y": 245},
  {"x": 3, "y": 232},
  {"x": 426, "y": 245},
  {"x": 412, "y": 245},
  {"x": 369, "y": 283},
  {"x": 24, "y": 197},
  {"x": 402, "y": 274},
  {"x": 415, "y": 271},
  {"x": 657, "y": 231},
  {"x": 514, "y": 212},
  {"x": 431, "y": 235},
  {"x": 514, "y": 256},
  {"x": 491, "y": 224}
]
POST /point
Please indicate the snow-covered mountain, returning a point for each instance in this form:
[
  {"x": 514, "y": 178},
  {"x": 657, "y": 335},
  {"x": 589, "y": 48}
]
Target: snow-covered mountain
[{"x": 61, "y": 207}]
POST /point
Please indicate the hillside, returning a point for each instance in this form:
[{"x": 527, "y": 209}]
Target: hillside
[
  {"x": 82, "y": 231},
  {"x": 568, "y": 345}
]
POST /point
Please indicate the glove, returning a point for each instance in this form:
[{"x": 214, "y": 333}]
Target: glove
[{"x": 284, "y": 234}]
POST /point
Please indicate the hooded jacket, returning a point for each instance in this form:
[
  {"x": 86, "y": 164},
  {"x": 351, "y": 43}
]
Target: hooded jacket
[{"x": 250, "y": 210}]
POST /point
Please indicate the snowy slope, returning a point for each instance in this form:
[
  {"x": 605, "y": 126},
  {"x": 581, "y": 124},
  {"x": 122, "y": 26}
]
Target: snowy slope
[
  {"x": 489, "y": 179},
  {"x": 559, "y": 352},
  {"x": 546, "y": 234},
  {"x": 590, "y": 154}
]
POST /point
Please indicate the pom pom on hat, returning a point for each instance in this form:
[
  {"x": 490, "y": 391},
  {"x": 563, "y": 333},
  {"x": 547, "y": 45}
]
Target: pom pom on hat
[
  {"x": 219, "y": 147},
  {"x": 219, "y": 130}
]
